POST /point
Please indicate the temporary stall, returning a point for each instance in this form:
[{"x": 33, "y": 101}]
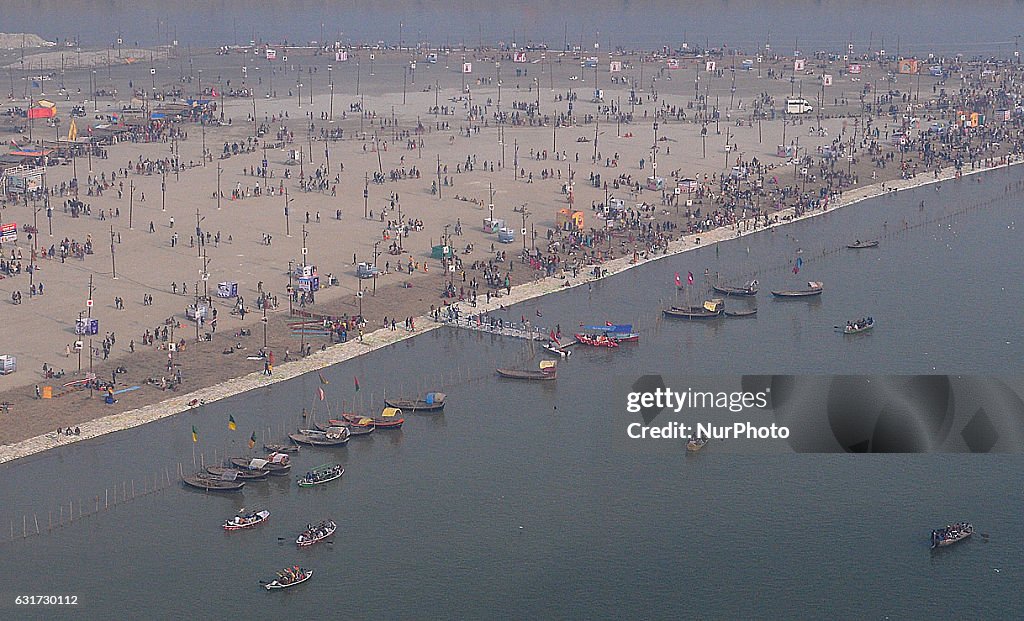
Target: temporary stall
[
  {"x": 311, "y": 283},
  {"x": 366, "y": 270},
  {"x": 8, "y": 364},
  {"x": 493, "y": 226},
  {"x": 655, "y": 183},
  {"x": 569, "y": 220},
  {"x": 506, "y": 235},
  {"x": 227, "y": 289},
  {"x": 441, "y": 251}
]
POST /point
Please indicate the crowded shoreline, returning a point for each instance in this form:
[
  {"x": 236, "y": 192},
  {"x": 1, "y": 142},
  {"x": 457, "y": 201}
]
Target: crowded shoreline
[{"x": 382, "y": 338}]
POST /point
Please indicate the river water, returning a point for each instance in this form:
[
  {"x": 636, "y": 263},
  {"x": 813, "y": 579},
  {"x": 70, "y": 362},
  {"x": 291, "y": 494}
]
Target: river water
[{"x": 525, "y": 500}]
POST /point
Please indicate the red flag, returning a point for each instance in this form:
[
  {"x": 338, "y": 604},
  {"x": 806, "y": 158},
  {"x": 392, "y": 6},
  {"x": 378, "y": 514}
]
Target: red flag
[
  {"x": 552, "y": 335},
  {"x": 679, "y": 282},
  {"x": 321, "y": 391},
  {"x": 357, "y": 383},
  {"x": 689, "y": 278}
]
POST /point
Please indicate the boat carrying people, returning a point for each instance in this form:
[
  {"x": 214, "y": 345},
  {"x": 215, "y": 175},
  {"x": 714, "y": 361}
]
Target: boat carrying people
[
  {"x": 860, "y": 325},
  {"x": 288, "y": 577},
  {"x": 951, "y": 534},
  {"x": 246, "y": 520},
  {"x": 696, "y": 443},
  {"x": 321, "y": 474},
  {"x": 313, "y": 534}
]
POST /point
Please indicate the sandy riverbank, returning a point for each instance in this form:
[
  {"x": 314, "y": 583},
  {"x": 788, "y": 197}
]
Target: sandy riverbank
[{"x": 382, "y": 338}]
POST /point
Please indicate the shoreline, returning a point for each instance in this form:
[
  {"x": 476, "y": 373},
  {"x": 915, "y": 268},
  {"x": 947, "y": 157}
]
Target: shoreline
[{"x": 381, "y": 338}]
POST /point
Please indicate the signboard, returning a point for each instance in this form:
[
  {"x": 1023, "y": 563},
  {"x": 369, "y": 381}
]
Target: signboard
[
  {"x": 467, "y": 67},
  {"x": 709, "y": 66},
  {"x": 8, "y": 232},
  {"x": 798, "y": 64},
  {"x": 519, "y": 57},
  {"x": 672, "y": 63},
  {"x": 271, "y": 54},
  {"x": 341, "y": 56},
  {"x": 854, "y": 69},
  {"x": 615, "y": 66},
  {"x": 826, "y": 80}
]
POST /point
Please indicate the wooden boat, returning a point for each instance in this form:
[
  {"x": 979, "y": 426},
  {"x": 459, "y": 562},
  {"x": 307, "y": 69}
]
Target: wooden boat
[
  {"x": 243, "y": 475},
  {"x": 744, "y": 313},
  {"x": 332, "y": 436},
  {"x": 281, "y": 448},
  {"x": 748, "y": 290},
  {"x": 285, "y": 579},
  {"x": 711, "y": 309},
  {"x": 813, "y": 288},
  {"x": 547, "y": 371},
  {"x": 596, "y": 340},
  {"x": 858, "y": 326},
  {"x": 314, "y": 534},
  {"x": 353, "y": 430},
  {"x": 321, "y": 474},
  {"x": 620, "y": 333},
  {"x": 390, "y": 418},
  {"x": 240, "y": 521},
  {"x": 211, "y": 483},
  {"x": 696, "y": 444},
  {"x": 277, "y": 463},
  {"x": 431, "y": 402},
  {"x": 857, "y": 245},
  {"x": 949, "y": 535}
]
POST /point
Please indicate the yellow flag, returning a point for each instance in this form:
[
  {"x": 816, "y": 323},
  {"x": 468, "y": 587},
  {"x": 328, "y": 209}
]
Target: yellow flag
[
  {"x": 72, "y": 131},
  {"x": 231, "y": 423}
]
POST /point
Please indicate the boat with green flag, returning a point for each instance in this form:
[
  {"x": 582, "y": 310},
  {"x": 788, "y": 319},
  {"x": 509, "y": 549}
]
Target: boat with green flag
[{"x": 321, "y": 474}]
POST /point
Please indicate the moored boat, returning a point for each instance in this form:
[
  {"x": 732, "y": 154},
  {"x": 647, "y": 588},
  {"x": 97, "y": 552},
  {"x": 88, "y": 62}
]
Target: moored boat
[
  {"x": 596, "y": 340},
  {"x": 390, "y": 418},
  {"x": 743, "y": 313},
  {"x": 813, "y": 288},
  {"x": 559, "y": 349},
  {"x": 331, "y": 436},
  {"x": 288, "y": 578},
  {"x": 951, "y": 534},
  {"x": 353, "y": 430},
  {"x": 856, "y": 327},
  {"x": 619, "y": 332},
  {"x": 314, "y": 534},
  {"x": 857, "y": 245},
  {"x": 281, "y": 448},
  {"x": 431, "y": 402},
  {"x": 277, "y": 463},
  {"x": 211, "y": 483},
  {"x": 748, "y": 290},
  {"x": 321, "y": 474},
  {"x": 246, "y": 520},
  {"x": 242, "y": 475},
  {"x": 547, "y": 371},
  {"x": 711, "y": 309}
]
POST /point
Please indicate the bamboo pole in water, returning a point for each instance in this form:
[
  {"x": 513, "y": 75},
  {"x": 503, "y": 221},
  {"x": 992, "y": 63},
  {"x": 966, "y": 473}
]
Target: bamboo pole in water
[{"x": 36, "y": 519}]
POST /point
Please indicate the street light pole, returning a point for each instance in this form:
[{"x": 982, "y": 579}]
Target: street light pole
[
  {"x": 375, "y": 253},
  {"x": 330, "y": 77}
]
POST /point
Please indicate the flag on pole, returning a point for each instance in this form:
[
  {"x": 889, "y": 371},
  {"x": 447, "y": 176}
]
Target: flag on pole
[
  {"x": 679, "y": 282},
  {"x": 195, "y": 434},
  {"x": 231, "y": 423},
  {"x": 323, "y": 380},
  {"x": 357, "y": 384},
  {"x": 252, "y": 440},
  {"x": 689, "y": 278},
  {"x": 320, "y": 391}
]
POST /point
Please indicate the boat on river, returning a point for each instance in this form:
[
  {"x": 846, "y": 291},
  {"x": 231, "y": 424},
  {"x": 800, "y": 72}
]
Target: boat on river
[
  {"x": 431, "y": 402},
  {"x": 390, "y": 418},
  {"x": 857, "y": 245},
  {"x": 742, "y": 313},
  {"x": 547, "y": 371},
  {"x": 281, "y": 448},
  {"x": 331, "y": 436},
  {"x": 747, "y": 290},
  {"x": 277, "y": 463},
  {"x": 242, "y": 475},
  {"x": 211, "y": 483},
  {"x": 942, "y": 537},
  {"x": 695, "y": 444},
  {"x": 314, "y": 534},
  {"x": 857, "y": 327},
  {"x": 288, "y": 578},
  {"x": 813, "y": 288},
  {"x": 619, "y": 332},
  {"x": 596, "y": 340},
  {"x": 712, "y": 309},
  {"x": 246, "y": 520},
  {"x": 322, "y": 474}
]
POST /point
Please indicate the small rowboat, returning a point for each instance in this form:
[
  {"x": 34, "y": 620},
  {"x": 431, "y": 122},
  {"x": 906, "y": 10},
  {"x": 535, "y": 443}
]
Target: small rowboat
[
  {"x": 281, "y": 448},
  {"x": 432, "y": 402},
  {"x": 322, "y": 474},
  {"x": 813, "y": 288},
  {"x": 332, "y": 436},
  {"x": 353, "y": 430},
  {"x": 211, "y": 483},
  {"x": 949, "y": 535},
  {"x": 317, "y": 533},
  {"x": 240, "y": 522},
  {"x": 285, "y": 580},
  {"x": 859, "y": 326},
  {"x": 744, "y": 313},
  {"x": 277, "y": 463},
  {"x": 857, "y": 245},
  {"x": 244, "y": 475},
  {"x": 711, "y": 309},
  {"x": 548, "y": 371},
  {"x": 748, "y": 290},
  {"x": 390, "y": 418},
  {"x": 696, "y": 444}
]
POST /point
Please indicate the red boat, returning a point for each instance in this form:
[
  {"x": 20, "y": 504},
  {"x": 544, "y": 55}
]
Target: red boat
[
  {"x": 390, "y": 418},
  {"x": 599, "y": 340}
]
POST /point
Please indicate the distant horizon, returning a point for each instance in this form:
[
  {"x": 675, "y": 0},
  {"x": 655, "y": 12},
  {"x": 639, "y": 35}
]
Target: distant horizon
[{"x": 912, "y": 28}]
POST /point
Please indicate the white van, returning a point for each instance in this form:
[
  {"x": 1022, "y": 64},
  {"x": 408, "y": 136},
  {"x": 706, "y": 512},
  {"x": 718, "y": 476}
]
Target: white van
[{"x": 798, "y": 106}]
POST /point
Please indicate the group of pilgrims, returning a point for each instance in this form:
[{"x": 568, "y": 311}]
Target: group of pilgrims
[
  {"x": 290, "y": 575},
  {"x": 321, "y": 530},
  {"x": 952, "y": 532},
  {"x": 315, "y": 476}
]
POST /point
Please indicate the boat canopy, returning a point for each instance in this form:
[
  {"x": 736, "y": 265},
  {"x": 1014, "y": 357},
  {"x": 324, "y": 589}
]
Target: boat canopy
[
  {"x": 547, "y": 364},
  {"x": 609, "y": 327},
  {"x": 365, "y": 421},
  {"x": 228, "y": 475},
  {"x": 713, "y": 306},
  {"x": 258, "y": 464},
  {"x": 391, "y": 413},
  {"x": 434, "y": 397},
  {"x": 277, "y": 458},
  {"x": 814, "y": 284}
]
